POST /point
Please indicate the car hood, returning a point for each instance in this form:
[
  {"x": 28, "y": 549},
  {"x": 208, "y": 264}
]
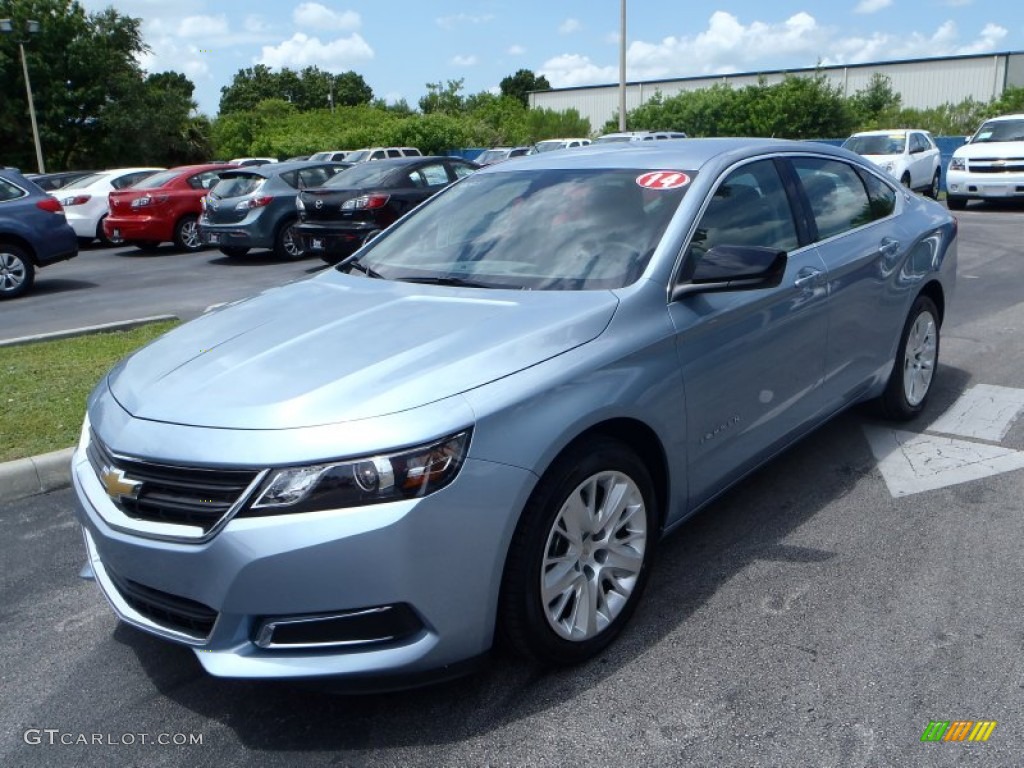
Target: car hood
[
  {"x": 338, "y": 348},
  {"x": 998, "y": 149},
  {"x": 881, "y": 159}
]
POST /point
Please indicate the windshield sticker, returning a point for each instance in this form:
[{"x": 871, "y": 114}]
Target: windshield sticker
[{"x": 663, "y": 180}]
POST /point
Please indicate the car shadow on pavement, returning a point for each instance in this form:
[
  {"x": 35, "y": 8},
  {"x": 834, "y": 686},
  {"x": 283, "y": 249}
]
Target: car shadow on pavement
[
  {"x": 45, "y": 285},
  {"x": 748, "y": 524},
  {"x": 257, "y": 259}
]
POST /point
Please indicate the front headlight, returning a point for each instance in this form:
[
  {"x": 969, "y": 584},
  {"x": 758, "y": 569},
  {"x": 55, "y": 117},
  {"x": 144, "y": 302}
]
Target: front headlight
[
  {"x": 888, "y": 165},
  {"x": 958, "y": 164},
  {"x": 372, "y": 480},
  {"x": 299, "y": 204},
  {"x": 83, "y": 437}
]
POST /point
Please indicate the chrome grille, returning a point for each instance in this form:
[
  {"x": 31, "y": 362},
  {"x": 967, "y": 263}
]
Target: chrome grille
[
  {"x": 171, "y": 494},
  {"x": 995, "y": 165}
]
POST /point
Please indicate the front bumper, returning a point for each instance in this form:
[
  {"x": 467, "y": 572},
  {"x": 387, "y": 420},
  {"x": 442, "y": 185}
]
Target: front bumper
[
  {"x": 438, "y": 558},
  {"x": 985, "y": 186}
]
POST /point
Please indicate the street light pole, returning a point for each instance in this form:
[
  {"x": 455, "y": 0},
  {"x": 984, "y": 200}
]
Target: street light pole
[
  {"x": 622, "y": 67},
  {"x": 32, "y": 28}
]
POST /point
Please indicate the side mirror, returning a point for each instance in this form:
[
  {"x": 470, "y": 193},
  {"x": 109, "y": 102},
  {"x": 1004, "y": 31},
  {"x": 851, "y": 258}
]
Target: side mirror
[{"x": 734, "y": 268}]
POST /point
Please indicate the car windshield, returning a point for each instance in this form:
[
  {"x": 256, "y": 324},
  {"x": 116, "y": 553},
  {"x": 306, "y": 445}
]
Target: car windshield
[
  {"x": 492, "y": 155},
  {"x": 892, "y": 144},
  {"x": 237, "y": 185},
  {"x": 156, "y": 180},
  {"x": 85, "y": 181},
  {"x": 532, "y": 229},
  {"x": 547, "y": 146},
  {"x": 365, "y": 175},
  {"x": 999, "y": 130}
]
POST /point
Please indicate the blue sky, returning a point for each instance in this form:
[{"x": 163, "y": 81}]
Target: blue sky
[{"x": 400, "y": 45}]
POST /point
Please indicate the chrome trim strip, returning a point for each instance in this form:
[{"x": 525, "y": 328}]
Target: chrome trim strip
[
  {"x": 129, "y": 615},
  {"x": 265, "y": 635},
  {"x": 118, "y": 520}
]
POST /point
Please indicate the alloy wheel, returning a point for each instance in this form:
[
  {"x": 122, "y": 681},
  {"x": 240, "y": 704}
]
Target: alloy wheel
[
  {"x": 12, "y": 272},
  {"x": 593, "y": 555},
  {"x": 919, "y": 359}
]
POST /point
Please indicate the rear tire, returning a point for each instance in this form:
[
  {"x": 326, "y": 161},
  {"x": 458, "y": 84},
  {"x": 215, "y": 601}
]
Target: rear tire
[
  {"x": 917, "y": 358},
  {"x": 17, "y": 273},
  {"x": 287, "y": 245},
  {"x": 581, "y": 554},
  {"x": 186, "y": 234},
  {"x": 234, "y": 251}
]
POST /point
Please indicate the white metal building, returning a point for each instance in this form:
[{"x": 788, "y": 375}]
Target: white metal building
[{"x": 922, "y": 84}]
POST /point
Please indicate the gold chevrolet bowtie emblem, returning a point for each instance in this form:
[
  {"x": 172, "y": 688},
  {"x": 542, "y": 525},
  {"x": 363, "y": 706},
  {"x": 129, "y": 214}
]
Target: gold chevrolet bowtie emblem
[{"x": 117, "y": 485}]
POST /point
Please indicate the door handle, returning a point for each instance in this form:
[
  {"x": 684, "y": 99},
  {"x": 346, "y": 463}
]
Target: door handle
[
  {"x": 889, "y": 247},
  {"x": 807, "y": 278}
]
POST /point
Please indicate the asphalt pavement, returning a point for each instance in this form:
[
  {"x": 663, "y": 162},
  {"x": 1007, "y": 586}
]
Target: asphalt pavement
[{"x": 817, "y": 615}]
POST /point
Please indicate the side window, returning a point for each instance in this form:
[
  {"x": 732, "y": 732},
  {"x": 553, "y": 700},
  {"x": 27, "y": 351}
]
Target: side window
[
  {"x": 312, "y": 177},
  {"x": 435, "y": 175},
  {"x": 10, "y": 191},
  {"x": 461, "y": 171},
  {"x": 413, "y": 179},
  {"x": 749, "y": 207},
  {"x": 917, "y": 143},
  {"x": 394, "y": 153},
  {"x": 378, "y": 155},
  {"x": 881, "y": 196},
  {"x": 291, "y": 178},
  {"x": 837, "y": 195}
]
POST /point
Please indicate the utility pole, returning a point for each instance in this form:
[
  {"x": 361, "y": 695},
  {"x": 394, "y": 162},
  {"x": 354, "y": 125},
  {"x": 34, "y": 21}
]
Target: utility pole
[
  {"x": 622, "y": 67},
  {"x": 31, "y": 28}
]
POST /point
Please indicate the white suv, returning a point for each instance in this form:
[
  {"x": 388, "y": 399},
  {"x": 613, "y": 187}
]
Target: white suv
[
  {"x": 367, "y": 154},
  {"x": 908, "y": 155},
  {"x": 990, "y": 165},
  {"x": 628, "y": 136}
]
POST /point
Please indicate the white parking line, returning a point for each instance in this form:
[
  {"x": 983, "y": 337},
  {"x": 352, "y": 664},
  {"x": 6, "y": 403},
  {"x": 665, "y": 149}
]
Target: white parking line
[
  {"x": 912, "y": 463},
  {"x": 985, "y": 412}
]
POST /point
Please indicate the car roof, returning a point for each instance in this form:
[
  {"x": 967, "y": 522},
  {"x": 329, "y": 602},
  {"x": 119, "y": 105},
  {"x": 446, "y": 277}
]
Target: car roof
[
  {"x": 268, "y": 170},
  {"x": 691, "y": 155},
  {"x": 200, "y": 167},
  {"x": 888, "y": 132},
  {"x": 1005, "y": 117}
]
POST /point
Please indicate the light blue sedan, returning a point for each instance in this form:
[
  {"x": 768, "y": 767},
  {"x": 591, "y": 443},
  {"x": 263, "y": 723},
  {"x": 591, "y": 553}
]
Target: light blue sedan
[{"x": 485, "y": 420}]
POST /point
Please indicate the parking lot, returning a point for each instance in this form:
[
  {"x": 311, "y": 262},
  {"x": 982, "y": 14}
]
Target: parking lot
[{"x": 820, "y": 614}]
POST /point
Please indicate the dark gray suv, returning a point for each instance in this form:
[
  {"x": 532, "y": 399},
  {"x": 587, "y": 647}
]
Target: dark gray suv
[
  {"x": 33, "y": 233},
  {"x": 254, "y": 207}
]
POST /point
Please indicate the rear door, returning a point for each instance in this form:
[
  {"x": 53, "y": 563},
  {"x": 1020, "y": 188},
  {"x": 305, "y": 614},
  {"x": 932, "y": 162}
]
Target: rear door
[{"x": 859, "y": 239}]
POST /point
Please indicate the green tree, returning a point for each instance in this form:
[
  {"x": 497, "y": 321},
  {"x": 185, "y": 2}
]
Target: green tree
[
  {"x": 443, "y": 98},
  {"x": 876, "y": 105},
  {"x": 519, "y": 85},
  {"x": 90, "y": 94}
]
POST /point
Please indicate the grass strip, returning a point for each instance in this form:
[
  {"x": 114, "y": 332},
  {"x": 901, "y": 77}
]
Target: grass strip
[{"x": 43, "y": 386}]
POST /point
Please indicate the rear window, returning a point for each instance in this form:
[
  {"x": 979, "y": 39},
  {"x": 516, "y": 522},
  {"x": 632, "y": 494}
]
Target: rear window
[
  {"x": 368, "y": 175},
  {"x": 85, "y": 181},
  {"x": 157, "y": 180},
  {"x": 238, "y": 185}
]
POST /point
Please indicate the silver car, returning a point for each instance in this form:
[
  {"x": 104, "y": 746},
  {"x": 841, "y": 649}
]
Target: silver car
[{"x": 485, "y": 420}]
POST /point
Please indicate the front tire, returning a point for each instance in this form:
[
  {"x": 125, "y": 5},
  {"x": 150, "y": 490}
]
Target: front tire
[
  {"x": 581, "y": 554},
  {"x": 933, "y": 190},
  {"x": 17, "y": 273},
  {"x": 917, "y": 358},
  {"x": 956, "y": 203},
  {"x": 905, "y": 181},
  {"x": 105, "y": 241}
]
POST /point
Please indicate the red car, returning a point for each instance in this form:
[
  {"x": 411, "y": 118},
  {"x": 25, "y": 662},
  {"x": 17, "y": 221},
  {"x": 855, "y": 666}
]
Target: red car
[{"x": 162, "y": 207}]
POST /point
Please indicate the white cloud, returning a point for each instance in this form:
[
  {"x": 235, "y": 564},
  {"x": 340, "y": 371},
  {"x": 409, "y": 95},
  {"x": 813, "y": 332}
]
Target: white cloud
[
  {"x": 459, "y": 19},
  {"x": 871, "y": 6},
  {"x": 465, "y": 61},
  {"x": 515, "y": 50},
  {"x": 256, "y": 24},
  {"x": 320, "y": 17},
  {"x": 944, "y": 42},
  {"x": 571, "y": 69},
  {"x": 203, "y": 27},
  {"x": 569, "y": 26},
  {"x": 304, "y": 51}
]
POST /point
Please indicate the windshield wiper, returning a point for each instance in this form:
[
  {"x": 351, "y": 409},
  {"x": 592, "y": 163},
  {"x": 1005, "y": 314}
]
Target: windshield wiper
[
  {"x": 369, "y": 272},
  {"x": 458, "y": 282}
]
